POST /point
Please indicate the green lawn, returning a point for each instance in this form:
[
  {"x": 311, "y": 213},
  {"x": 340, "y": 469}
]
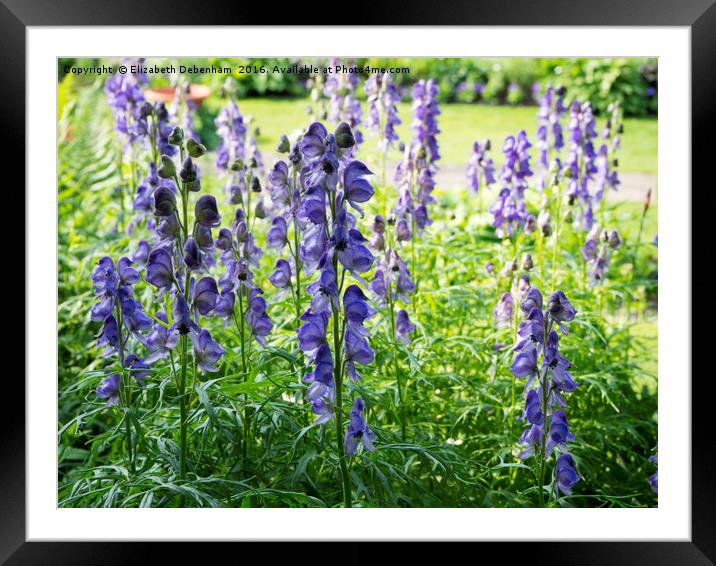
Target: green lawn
[{"x": 461, "y": 124}]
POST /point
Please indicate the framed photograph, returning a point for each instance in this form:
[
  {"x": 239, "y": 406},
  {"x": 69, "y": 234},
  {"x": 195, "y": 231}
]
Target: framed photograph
[{"x": 360, "y": 283}]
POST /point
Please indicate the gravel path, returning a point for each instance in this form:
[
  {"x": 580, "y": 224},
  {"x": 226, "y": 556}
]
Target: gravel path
[{"x": 633, "y": 185}]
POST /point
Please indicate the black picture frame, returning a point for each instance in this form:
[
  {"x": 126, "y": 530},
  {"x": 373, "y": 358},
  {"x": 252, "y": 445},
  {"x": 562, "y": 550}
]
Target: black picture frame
[{"x": 699, "y": 15}]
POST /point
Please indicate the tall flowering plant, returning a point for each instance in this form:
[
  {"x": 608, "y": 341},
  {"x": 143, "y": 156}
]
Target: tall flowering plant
[
  {"x": 550, "y": 135},
  {"x": 231, "y": 152},
  {"x": 175, "y": 262},
  {"x": 392, "y": 284},
  {"x": 343, "y": 105},
  {"x": 333, "y": 336},
  {"x": 480, "y": 171},
  {"x": 124, "y": 327},
  {"x": 580, "y": 165},
  {"x": 607, "y": 175},
  {"x": 131, "y": 113},
  {"x": 425, "y": 120},
  {"x": 509, "y": 210},
  {"x": 538, "y": 361},
  {"x": 382, "y": 118}
]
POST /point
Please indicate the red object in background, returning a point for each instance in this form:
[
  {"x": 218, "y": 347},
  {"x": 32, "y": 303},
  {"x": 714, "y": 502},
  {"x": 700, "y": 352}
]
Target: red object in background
[{"x": 197, "y": 93}]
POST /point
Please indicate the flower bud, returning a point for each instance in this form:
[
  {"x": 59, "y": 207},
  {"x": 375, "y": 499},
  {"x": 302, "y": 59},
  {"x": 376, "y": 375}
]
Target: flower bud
[
  {"x": 527, "y": 263},
  {"x": 253, "y": 164},
  {"x": 614, "y": 241},
  {"x": 167, "y": 170},
  {"x": 177, "y": 136},
  {"x": 530, "y": 224},
  {"x": 145, "y": 109},
  {"x": 402, "y": 231},
  {"x": 195, "y": 149},
  {"x": 344, "y": 136},
  {"x": 203, "y": 237},
  {"x": 488, "y": 145},
  {"x": 255, "y": 185},
  {"x": 188, "y": 171},
  {"x": 260, "y": 210},
  {"x": 206, "y": 212},
  {"x": 165, "y": 204},
  {"x": 237, "y": 165},
  {"x": 379, "y": 224},
  {"x": 284, "y": 146},
  {"x": 160, "y": 110}
]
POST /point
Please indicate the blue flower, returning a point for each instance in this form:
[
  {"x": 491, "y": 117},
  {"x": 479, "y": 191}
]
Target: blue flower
[
  {"x": 566, "y": 474},
  {"x": 358, "y": 431},
  {"x": 109, "y": 389},
  {"x": 207, "y": 351}
]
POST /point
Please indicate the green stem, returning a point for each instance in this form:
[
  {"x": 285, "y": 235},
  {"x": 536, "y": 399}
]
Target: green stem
[
  {"x": 399, "y": 381},
  {"x": 338, "y": 377},
  {"x": 545, "y": 430},
  {"x": 557, "y": 229},
  {"x": 182, "y": 410}
]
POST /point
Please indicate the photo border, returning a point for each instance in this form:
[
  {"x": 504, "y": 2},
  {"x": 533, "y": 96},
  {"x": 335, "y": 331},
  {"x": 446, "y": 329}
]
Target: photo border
[{"x": 699, "y": 15}]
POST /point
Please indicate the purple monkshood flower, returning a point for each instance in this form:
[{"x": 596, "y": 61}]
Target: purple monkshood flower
[
  {"x": 258, "y": 320},
  {"x": 383, "y": 97},
  {"x": 509, "y": 210},
  {"x": 109, "y": 389},
  {"x": 503, "y": 311},
  {"x": 535, "y": 338},
  {"x": 343, "y": 106},
  {"x": 231, "y": 130},
  {"x": 324, "y": 291},
  {"x": 533, "y": 409},
  {"x": 193, "y": 257},
  {"x": 357, "y": 350},
  {"x": 207, "y": 351},
  {"x": 329, "y": 182},
  {"x": 560, "y": 309},
  {"x": 160, "y": 270},
  {"x": 549, "y": 132},
  {"x": 281, "y": 277},
  {"x": 566, "y": 474},
  {"x": 160, "y": 341},
  {"x": 356, "y": 188},
  {"x": 224, "y": 307},
  {"x": 425, "y": 123},
  {"x": 654, "y": 478},
  {"x": 597, "y": 252},
  {"x": 580, "y": 166},
  {"x": 183, "y": 324},
  {"x": 141, "y": 255},
  {"x": 358, "y": 431},
  {"x": 356, "y": 308},
  {"x": 125, "y": 97},
  {"x": 321, "y": 393},
  {"x": 403, "y": 326},
  {"x": 312, "y": 333},
  {"x": 205, "y": 295},
  {"x": 133, "y": 315},
  {"x": 480, "y": 168},
  {"x": 277, "y": 234},
  {"x": 206, "y": 212},
  {"x": 559, "y": 433},
  {"x": 114, "y": 291}
]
